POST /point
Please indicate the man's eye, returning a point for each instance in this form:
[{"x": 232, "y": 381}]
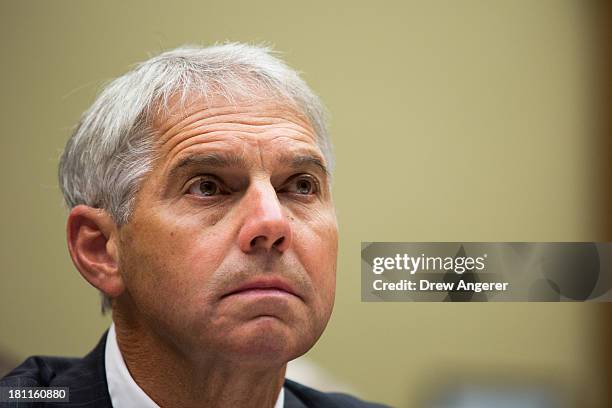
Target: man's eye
[
  {"x": 304, "y": 185},
  {"x": 205, "y": 188}
]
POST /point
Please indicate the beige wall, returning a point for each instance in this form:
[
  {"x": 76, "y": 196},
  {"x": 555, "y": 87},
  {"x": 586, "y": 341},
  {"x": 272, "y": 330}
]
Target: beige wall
[{"x": 466, "y": 121}]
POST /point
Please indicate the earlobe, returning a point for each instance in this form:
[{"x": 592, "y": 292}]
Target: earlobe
[{"x": 92, "y": 241}]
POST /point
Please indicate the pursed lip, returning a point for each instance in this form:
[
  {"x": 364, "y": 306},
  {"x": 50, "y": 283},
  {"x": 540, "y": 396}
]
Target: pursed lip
[{"x": 272, "y": 283}]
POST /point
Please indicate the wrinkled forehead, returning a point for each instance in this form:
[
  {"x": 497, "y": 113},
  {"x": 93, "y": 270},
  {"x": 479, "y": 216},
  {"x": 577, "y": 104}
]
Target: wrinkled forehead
[
  {"x": 179, "y": 110},
  {"x": 221, "y": 131}
]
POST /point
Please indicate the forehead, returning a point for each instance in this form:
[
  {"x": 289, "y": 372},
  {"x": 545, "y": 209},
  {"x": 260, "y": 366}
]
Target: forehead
[
  {"x": 219, "y": 124},
  {"x": 216, "y": 125},
  {"x": 198, "y": 111}
]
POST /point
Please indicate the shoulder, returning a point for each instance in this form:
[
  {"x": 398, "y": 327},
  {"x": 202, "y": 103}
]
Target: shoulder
[
  {"x": 85, "y": 377},
  {"x": 310, "y": 397},
  {"x": 38, "y": 371}
]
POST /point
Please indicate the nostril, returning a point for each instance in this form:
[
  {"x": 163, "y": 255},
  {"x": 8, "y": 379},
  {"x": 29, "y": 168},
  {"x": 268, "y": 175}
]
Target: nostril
[
  {"x": 254, "y": 240},
  {"x": 262, "y": 240}
]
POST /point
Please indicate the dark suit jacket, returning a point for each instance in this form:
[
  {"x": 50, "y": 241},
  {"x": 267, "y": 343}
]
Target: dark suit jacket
[{"x": 86, "y": 379}]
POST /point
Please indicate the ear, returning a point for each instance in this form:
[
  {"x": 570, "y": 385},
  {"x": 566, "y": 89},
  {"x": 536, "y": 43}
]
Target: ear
[{"x": 92, "y": 241}]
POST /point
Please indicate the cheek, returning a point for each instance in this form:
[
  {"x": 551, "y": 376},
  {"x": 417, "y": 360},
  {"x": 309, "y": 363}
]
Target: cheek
[
  {"x": 317, "y": 246},
  {"x": 169, "y": 265}
]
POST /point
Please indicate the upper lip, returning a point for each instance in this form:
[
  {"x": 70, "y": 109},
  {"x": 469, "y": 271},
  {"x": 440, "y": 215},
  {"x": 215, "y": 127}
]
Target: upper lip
[{"x": 265, "y": 283}]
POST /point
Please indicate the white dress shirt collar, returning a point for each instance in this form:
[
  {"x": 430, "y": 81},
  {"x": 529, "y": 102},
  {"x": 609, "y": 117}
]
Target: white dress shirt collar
[{"x": 123, "y": 390}]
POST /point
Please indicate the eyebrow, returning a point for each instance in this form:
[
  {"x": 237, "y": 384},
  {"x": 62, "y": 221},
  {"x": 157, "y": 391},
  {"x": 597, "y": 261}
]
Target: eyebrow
[
  {"x": 305, "y": 160},
  {"x": 219, "y": 161},
  {"x": 214, "y": 160}
]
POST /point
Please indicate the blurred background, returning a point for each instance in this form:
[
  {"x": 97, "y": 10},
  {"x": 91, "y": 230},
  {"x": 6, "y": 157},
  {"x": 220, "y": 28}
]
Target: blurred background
[{"x": 469, "y": 120}]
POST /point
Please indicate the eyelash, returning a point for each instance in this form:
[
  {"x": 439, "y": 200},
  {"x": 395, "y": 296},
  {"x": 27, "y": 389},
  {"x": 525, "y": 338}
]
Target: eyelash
[
  {"x": 316, "y": 188},
  {"x": 203, "y": 178},
  {"x": 222, "y": 190}
]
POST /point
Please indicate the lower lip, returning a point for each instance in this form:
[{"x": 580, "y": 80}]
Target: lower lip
[{"x": 261, "y": 292}]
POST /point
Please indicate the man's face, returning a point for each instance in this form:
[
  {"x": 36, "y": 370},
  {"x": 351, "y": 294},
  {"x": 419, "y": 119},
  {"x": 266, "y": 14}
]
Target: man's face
[{"x": 231, "y": 249}]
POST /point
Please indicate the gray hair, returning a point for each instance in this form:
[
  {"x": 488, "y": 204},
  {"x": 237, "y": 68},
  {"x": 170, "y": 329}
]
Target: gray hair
[{"x": 112, "y": 148}]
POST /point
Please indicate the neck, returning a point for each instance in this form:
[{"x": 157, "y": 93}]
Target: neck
[{"x": 172, "y": 378}]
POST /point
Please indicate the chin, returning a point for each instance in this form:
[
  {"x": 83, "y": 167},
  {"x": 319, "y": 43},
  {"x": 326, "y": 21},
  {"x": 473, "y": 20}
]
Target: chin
[{"x": 267, "y": 340}]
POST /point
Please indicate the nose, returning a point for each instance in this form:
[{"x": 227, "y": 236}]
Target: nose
[{"x": 265, "y": 225}]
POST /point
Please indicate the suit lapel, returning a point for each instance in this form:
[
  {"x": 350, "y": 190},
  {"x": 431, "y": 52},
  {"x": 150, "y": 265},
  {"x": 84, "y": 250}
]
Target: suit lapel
[
  {"x": 291, "y": 400},
  {"x": 86, "y": 380}
]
